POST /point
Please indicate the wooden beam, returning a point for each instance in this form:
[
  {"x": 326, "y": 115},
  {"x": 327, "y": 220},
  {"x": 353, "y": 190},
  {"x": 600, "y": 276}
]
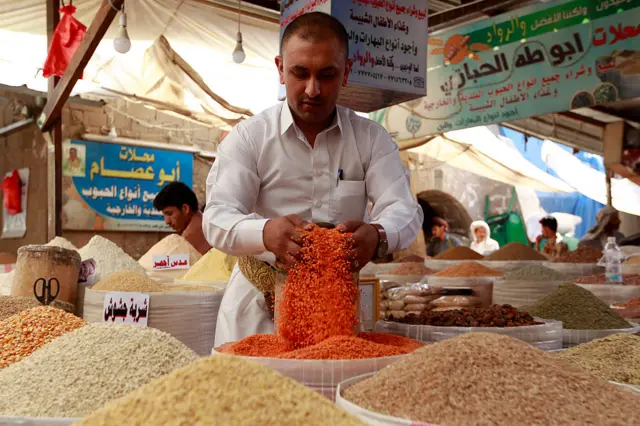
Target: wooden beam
[{"x": 99, "y": 26}]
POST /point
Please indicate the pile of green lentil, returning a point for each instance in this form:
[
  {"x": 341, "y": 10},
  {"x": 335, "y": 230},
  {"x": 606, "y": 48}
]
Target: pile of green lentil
[
  {"x": 489, "y": 379},
  {"x": 578, "y": 309},
  {"x": 615, "y": 358},
  {"x": 534, "y": 273},
  {"x": 222, "y": 390}
]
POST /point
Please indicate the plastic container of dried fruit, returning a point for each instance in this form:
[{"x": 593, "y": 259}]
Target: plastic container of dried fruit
[
  {"x": 574, "y": 269},
  {"x": 613, "y": 293},
  {"x": 37, "y": 421},
  {"x": 439, "y": 265},
  {"x": 547, "y": 336},
  {"x": 400, "y": 279},
  {"x": 482, "y": 286},
  {"x": 367, "y": 416},
  {"x": 508, "y": 265},
  {"x": 189, "y": 315},
  {"x": 322, "y": 376},
  {"x": 520, "y": 293},
  {"x": 572, "y": 338}
]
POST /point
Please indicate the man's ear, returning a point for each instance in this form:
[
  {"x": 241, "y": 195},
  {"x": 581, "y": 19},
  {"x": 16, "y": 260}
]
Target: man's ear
[
  {"x": 280, "y": 66},
  {"x": 186, "y": 209},
  {"x": 347, "y": 71}
]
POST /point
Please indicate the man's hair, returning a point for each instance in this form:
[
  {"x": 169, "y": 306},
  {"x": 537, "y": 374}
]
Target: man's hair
[
  {"x": 550, "y": 222},
  {"x": 176, "y": 194},
  {"x": 316, "y": 26},
  {"x": 438, "y": 221}
]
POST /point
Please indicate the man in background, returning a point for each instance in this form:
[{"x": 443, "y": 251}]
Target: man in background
[
  {"x": 179, "y": 205},
  {"x": 549, "y": 242},
  {"x": 440, "y": 241},
  {"x": 607, "y": 225}
]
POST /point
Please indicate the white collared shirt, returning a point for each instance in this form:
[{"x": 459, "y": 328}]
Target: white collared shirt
[{"x": 265, "y": 168}]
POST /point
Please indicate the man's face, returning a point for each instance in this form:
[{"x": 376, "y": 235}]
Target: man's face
[
  {"x": 73, "y": 153},
  {"x": 481, "y": 234},
  {"x": 313, "y": 73},
  {"x": 439, "y": 232},
  {"x": 176, "y": 218},
  {"x": 547, "y": 232}
]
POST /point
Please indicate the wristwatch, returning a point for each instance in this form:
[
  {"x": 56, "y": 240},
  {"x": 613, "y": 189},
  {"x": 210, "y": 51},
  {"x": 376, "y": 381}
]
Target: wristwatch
[{"x": 383, "y": 243}]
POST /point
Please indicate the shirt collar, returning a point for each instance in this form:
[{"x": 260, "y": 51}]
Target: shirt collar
[{"x": 286, "y": 120}]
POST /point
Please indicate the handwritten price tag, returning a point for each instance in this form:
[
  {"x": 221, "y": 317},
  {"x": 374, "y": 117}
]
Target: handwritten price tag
[
  {"x": 126, "y": 308},
  {"x": 172, "y": 261}
]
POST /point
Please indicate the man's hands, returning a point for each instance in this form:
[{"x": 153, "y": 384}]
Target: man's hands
[
  {"x": 365, "y": 238},
  {"x": 281, "y": 237}
]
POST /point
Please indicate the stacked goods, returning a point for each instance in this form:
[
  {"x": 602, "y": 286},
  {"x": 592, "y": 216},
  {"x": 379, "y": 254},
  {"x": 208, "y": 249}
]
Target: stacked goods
[
  {"x": 578, "y": 309},
  {"x": 26, "y": 332},
  {"x": 515, "y": 251},
  {"x": 364, "y": 346},
  {"x": 409, "y": 299},
  {"x": 222, "y": 390},
  {"x": 81, "y": 371},
  {"x": 12, "y": 305},
  {"x": 459, "y": 253},
  {"x": 213, "y": 266},
  {"x": 512, "y": 382},
  {"x": 615, "y": 358},
  {"x": 585, "y": 254},
  {"x": 411, "y": 268},
  {"x": 627, "y": 279},
  {"x": 468, "y": 269},
  {"x": 494, "y": 316},
  {"x": 534, "y": 273},
  {"x": 109, "y": 257},
  {"x": 319, "y": 287},
  {"x": 171, "y": 244}
]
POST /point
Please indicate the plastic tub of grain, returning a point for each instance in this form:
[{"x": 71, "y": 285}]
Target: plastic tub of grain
[
  {"x": 520, "y": 293},
  {"x": 575, "y": 270},
  {"x": 572, "y": 338},
  {"x": 323, "y": 376},
  {"x": 439, "y": 265},
  {"x": 189, "y": 316},
  {"x": 612, "y": 293},
  {"x": 547, "y": 336},
  {"x": 508, "y": 265}
]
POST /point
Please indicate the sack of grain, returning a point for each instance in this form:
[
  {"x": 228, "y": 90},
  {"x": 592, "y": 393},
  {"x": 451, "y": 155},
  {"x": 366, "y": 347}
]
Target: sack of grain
[
  {"x": 572, "y": 338},
  {"x": 574, "y": 269},
  {"x": 520, "y": 293},
  {"x": 189, "y": 316}
]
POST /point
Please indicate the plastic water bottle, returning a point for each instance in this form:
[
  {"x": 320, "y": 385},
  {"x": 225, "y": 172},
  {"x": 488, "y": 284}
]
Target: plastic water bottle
[{"x": 613, "y": 261}]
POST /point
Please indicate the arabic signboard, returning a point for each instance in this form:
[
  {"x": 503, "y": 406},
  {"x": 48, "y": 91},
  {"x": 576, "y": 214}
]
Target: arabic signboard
[
  {"x": 546, "y": 58},
  {"x": 387, "y": 44},
  {"x": 170, "y": 262},
  {"x": 112, "y": 186},
  {"x": 126, "y": 308}
]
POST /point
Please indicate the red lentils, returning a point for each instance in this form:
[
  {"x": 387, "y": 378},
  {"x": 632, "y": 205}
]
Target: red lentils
[
  {"x": 28, "y": 331},
  {"x": 319, "y": 299}
]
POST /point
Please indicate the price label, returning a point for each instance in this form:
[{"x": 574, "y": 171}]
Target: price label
[
  {"x": 126, "y": 308},
  {"x": 170, "y": 261}
]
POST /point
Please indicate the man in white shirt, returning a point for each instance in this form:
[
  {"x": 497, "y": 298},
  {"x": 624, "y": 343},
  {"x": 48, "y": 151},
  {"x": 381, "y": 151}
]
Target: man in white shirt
[{"x": 306, "y": 160}]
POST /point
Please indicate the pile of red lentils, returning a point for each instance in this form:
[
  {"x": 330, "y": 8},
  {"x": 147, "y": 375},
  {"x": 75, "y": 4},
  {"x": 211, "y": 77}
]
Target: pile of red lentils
[{"x": 28, "y": 331}]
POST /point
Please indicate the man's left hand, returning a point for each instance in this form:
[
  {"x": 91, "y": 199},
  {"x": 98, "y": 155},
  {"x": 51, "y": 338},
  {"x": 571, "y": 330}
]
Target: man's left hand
[{"x": 365, "y": 241}]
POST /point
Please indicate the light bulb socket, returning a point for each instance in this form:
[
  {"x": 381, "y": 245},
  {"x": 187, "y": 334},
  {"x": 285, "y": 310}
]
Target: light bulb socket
[
  {"x": 122, "y": 20},
  {"x": 239, "y": 37}
]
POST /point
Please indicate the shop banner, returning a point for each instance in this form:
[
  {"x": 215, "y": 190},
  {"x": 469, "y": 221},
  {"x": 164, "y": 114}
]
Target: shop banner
[
  {"x": 541, "y": 59},
  {"x": 110, "y": 186}
]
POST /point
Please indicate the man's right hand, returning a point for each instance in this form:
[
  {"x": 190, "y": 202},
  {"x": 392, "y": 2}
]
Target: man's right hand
[{"x": 282, "y": 238}]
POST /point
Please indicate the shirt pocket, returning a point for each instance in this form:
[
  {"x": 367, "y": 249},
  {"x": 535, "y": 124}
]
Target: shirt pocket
[{"x": 349, "y": 201}]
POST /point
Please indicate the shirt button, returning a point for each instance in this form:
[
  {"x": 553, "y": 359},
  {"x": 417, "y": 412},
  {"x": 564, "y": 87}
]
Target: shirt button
[{"x": 319, "y": 204}]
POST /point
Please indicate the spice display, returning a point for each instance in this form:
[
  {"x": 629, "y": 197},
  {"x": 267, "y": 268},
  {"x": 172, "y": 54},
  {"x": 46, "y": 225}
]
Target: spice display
[
  {"x": 494, "y": 316},
  {"x": 109, "y": 257},
  {"x": 26, "y": 332},
  {"x": 534, "y": 273},
  {"x": 410, "y": 268},
  {"x": 222, "y": 390},
  {"x": 615, "y": 358},
  {"x": 133, "y": 281},
  {"x": 12, "y": 305},
  {"x": 365, "y": 345},
  {"x": 578, "y": 309},
  {"x": 627, "y": 279},
  {"x": 213, "y": 266},
  {"x": 410, "y": 258},
  {"x": 81, "y": 371},
  {"x": 468, "y": 269},
  {"x": 319, "y": 298},
  {"x": 459, "y": 253},
  {"x": 7, "y": 258},
  {"x": 585, "y": 254},
  {"x": 171, "y": 244},
  {"x": 516, "y": 251},
  {"x": 633, "y": 260},
  {"x": 512, "y": 383}
]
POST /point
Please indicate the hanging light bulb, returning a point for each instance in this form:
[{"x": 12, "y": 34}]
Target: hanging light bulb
[
  {"x": 238, "y": 53},
  {"x": 122, "y": 43}
]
